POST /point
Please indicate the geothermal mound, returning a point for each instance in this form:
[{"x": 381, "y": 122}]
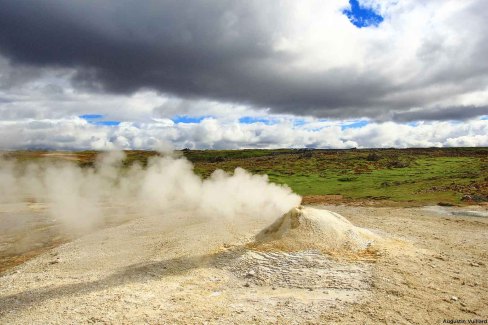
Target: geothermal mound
[
  {"x": 295, "y": 253},
  {"x": 307, "y": 228}
]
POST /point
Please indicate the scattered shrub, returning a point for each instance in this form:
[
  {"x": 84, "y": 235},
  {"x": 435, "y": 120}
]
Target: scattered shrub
[
  {"x": 373, "y": 157},
  {"x": 397, "y": 164},
  {"x": 216, "y": 159},
  {"x": 346, "y": 179}
]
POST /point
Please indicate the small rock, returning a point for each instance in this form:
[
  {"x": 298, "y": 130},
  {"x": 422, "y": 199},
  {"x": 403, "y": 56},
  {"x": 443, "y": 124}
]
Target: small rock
[
  {"x": 454, "y": 298},
  {"x": 251, "y": 273},
  {"x": 247, "y": 285},
  {"x": 474, "y": 264}
]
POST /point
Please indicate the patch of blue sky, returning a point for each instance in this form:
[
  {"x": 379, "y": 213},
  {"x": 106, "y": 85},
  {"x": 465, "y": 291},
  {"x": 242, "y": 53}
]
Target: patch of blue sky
[
  {"x": 354, "y": 125},
  {"x": 188, "y": 119},
  {"x": 97, "y": 119},
  {"x": 414, "y": 123},
  {"x": 91, "y": 116},
  {"x": 362, "y": 16},
  {"x": 105, "y": 123},
  {"x": 317, "y": 129},
  {"x": 252, "y": 120},
  {"x": 299, "y": 122}
]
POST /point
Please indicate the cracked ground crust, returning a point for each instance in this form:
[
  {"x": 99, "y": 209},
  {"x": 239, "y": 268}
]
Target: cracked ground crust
[{"x": 300, "y": 270}]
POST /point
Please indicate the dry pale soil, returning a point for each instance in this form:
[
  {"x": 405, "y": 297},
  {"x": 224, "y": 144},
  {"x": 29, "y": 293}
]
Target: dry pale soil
[{"x": 429, "y": 266}]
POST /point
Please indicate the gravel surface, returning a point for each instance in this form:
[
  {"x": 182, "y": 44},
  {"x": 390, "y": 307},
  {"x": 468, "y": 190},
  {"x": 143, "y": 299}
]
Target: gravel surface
[{"x": 430, "y": 268}]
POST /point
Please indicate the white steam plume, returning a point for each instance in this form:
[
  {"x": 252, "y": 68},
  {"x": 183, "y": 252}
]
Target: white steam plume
[{"x": 82, "y": 198}]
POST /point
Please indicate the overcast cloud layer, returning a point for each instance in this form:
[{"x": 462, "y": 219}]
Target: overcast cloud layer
[{"x": 250, "y": 74}]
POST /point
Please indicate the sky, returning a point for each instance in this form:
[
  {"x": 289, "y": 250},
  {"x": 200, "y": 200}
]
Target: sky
[{"x": 208, "y": 74}]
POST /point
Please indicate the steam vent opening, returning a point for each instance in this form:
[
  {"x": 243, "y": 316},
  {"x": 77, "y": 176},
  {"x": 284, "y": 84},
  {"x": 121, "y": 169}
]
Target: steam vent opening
[
  {"x": 307, "y": 249},
  {"x": 304, "y": 228}
]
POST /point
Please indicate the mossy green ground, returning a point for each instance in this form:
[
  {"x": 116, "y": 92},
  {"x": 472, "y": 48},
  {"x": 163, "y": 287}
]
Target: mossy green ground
[
  {"x": 418, "y": 175},
  {"x": 414, "y": 175}
]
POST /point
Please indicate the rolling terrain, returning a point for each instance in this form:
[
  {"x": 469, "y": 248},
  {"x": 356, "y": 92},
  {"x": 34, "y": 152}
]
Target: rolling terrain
[{"x": 404, "y": 176}]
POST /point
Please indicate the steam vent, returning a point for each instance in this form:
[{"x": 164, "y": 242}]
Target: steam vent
[
  {"x": 301, "y": 250},
  {"x": 307, "y": 228}
]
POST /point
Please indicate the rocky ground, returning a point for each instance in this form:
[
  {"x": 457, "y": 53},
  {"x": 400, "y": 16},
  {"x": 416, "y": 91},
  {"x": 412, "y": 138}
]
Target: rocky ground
[{"x": 433, "y": 266}]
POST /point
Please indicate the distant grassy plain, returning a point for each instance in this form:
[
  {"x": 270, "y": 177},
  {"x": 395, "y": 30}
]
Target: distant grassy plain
[{"x": 413, "y": 176}]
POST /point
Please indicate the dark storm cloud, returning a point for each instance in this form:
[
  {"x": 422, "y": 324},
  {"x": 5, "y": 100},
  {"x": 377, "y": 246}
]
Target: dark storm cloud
[
  {"x": 441, "y": 114},
  {"x": 190, "y": 47},
  {"x": 221, "y": 50}
]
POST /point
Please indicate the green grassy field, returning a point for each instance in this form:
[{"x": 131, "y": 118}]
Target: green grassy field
[
  {"x": 420, "y": 175},
  {"x": 403, "y": 175}
]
